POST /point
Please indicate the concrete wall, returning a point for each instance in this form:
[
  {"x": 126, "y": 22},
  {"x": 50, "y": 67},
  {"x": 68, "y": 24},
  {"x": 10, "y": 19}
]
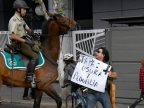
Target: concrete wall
[
  {"x": 125, "y": 44},
  {"x": 126, "y": 49},
  {"x": 115, "y": 8}
]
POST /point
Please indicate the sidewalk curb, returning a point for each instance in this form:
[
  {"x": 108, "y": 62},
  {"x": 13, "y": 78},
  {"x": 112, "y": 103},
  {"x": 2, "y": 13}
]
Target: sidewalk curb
[{"x": 29, "y": 102}]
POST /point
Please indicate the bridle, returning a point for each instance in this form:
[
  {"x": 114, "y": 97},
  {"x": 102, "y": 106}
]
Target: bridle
[{"x": 62, "y": 23}]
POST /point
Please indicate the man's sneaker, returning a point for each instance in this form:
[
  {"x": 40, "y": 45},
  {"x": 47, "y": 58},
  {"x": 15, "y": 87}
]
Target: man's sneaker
[
  {"x": 29, "y": 79},
  {"x": 26, "y": 98},
  {"x": 1, "y": 100}
]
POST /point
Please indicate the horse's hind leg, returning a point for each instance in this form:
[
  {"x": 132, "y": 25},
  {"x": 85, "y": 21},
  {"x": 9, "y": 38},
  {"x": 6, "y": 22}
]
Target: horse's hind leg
[
  {"x": 53, "y": 94},
  {"x": 37, "y": 98}
]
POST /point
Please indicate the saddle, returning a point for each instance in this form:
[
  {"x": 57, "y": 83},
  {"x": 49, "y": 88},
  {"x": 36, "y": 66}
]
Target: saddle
[
  {"x": 11, "y": 49},
  {"x": 14, "y": 60}
]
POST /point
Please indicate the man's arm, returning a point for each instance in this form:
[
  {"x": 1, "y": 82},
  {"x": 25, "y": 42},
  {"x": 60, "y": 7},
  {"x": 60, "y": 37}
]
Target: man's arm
[
  {"x": 26, "y": 27},
  {"x": 112, "y": 74},
  {"x": 16, "y": 37}
]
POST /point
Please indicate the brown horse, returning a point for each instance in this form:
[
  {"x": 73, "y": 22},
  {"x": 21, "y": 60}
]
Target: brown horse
[{"x": 47, "y": 74}]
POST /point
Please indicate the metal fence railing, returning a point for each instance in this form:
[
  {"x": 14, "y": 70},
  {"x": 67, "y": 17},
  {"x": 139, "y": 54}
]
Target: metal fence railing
[
  {"x": 3, "y": 38},
  {"x": 87, "y": 41}
]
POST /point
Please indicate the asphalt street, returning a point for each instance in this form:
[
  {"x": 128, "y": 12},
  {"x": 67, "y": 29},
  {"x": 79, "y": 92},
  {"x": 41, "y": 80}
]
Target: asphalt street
[
  {"x": 13, "y": 105},
  {"x": 12, "y": 98},
  {"x": 22, "y": 105}
]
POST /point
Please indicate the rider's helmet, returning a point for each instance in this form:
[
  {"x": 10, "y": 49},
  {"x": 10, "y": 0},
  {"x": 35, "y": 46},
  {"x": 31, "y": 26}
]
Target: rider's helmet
[
  {"x": 68, "y": 56},
  {"x": 20, "y": 4}
]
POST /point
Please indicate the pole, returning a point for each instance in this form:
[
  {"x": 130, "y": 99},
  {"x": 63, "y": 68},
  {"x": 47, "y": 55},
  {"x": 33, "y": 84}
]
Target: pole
[{"x": 43, "y": 9}]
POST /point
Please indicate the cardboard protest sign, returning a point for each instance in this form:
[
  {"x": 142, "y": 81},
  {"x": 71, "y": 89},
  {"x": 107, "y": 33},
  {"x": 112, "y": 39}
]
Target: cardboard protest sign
[{"x": 91, "y": 73}]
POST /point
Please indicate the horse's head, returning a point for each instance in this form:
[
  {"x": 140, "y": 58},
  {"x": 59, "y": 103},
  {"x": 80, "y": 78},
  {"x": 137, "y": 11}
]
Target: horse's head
[
  {"x": 56, "y": 25},
  {"x": 64, "y": 23}
]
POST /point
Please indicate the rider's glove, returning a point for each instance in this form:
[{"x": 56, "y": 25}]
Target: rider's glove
[{"x": 29, "y": 42}]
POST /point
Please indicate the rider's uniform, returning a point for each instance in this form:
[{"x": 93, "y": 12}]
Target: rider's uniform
[{"x": 17, "y": 25}]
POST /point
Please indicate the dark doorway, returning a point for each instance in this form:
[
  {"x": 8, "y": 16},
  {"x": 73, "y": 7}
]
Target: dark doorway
[
  {"x": 5, "y": 12},
  {"x": 83, "y": 13}
]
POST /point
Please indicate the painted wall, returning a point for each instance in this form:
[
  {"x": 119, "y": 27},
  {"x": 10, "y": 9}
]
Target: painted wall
[
  {"x": 115, "y": 8},
  {"x": 2, "y": 17},
  {"x": 126, "y": 49},
  {"x": 125, "y": 44}
]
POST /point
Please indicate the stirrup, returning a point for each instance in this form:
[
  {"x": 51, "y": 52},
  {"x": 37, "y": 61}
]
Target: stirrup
[
  {"x": 29, "y": 78},
  {"x": 33, "y": 83}
]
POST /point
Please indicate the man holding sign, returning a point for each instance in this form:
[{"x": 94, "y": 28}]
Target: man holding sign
[
  {"x": 103, "y": 97},
  {"x": 95, "y": 74}
]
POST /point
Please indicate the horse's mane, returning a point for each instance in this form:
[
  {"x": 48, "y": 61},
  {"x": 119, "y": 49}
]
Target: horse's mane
[
  {"x": 45, "y": 24},
  {"x": 45, "y": 30}
]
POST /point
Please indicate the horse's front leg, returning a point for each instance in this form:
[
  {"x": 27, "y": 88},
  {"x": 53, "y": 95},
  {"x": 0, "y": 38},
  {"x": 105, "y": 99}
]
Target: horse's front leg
[
  {"x": 50, "y": 91},
  {"x": 37, "y": 98}
]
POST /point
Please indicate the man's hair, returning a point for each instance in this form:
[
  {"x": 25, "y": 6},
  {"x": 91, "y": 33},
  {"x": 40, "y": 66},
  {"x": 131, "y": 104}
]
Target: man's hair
[{"x": 106, "y": 53}]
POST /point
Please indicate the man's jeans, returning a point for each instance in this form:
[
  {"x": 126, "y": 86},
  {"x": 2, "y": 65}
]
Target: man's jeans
[{"x": 95, "y": 96}]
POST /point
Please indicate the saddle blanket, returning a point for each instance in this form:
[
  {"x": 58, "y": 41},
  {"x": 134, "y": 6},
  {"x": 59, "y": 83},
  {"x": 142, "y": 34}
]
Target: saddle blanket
[{"x": 18, "y": 62}]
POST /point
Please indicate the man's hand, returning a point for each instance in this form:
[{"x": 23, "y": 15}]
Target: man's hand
[
  {"x": 109, "y": 73},
  {"x": 29, "y": 42},
  {"x": 112, "y": 74}
]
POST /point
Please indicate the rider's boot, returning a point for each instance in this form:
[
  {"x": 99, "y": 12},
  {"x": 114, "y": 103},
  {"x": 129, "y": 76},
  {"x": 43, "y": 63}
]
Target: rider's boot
[{"x": 30, "y": 70}]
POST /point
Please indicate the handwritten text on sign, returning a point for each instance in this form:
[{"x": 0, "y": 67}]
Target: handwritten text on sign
[{"x": 91, "y": 73}]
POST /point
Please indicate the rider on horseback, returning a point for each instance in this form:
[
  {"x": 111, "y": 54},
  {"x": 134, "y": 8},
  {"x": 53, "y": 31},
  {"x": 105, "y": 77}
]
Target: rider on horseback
[{"x": 18, "y": 29}]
